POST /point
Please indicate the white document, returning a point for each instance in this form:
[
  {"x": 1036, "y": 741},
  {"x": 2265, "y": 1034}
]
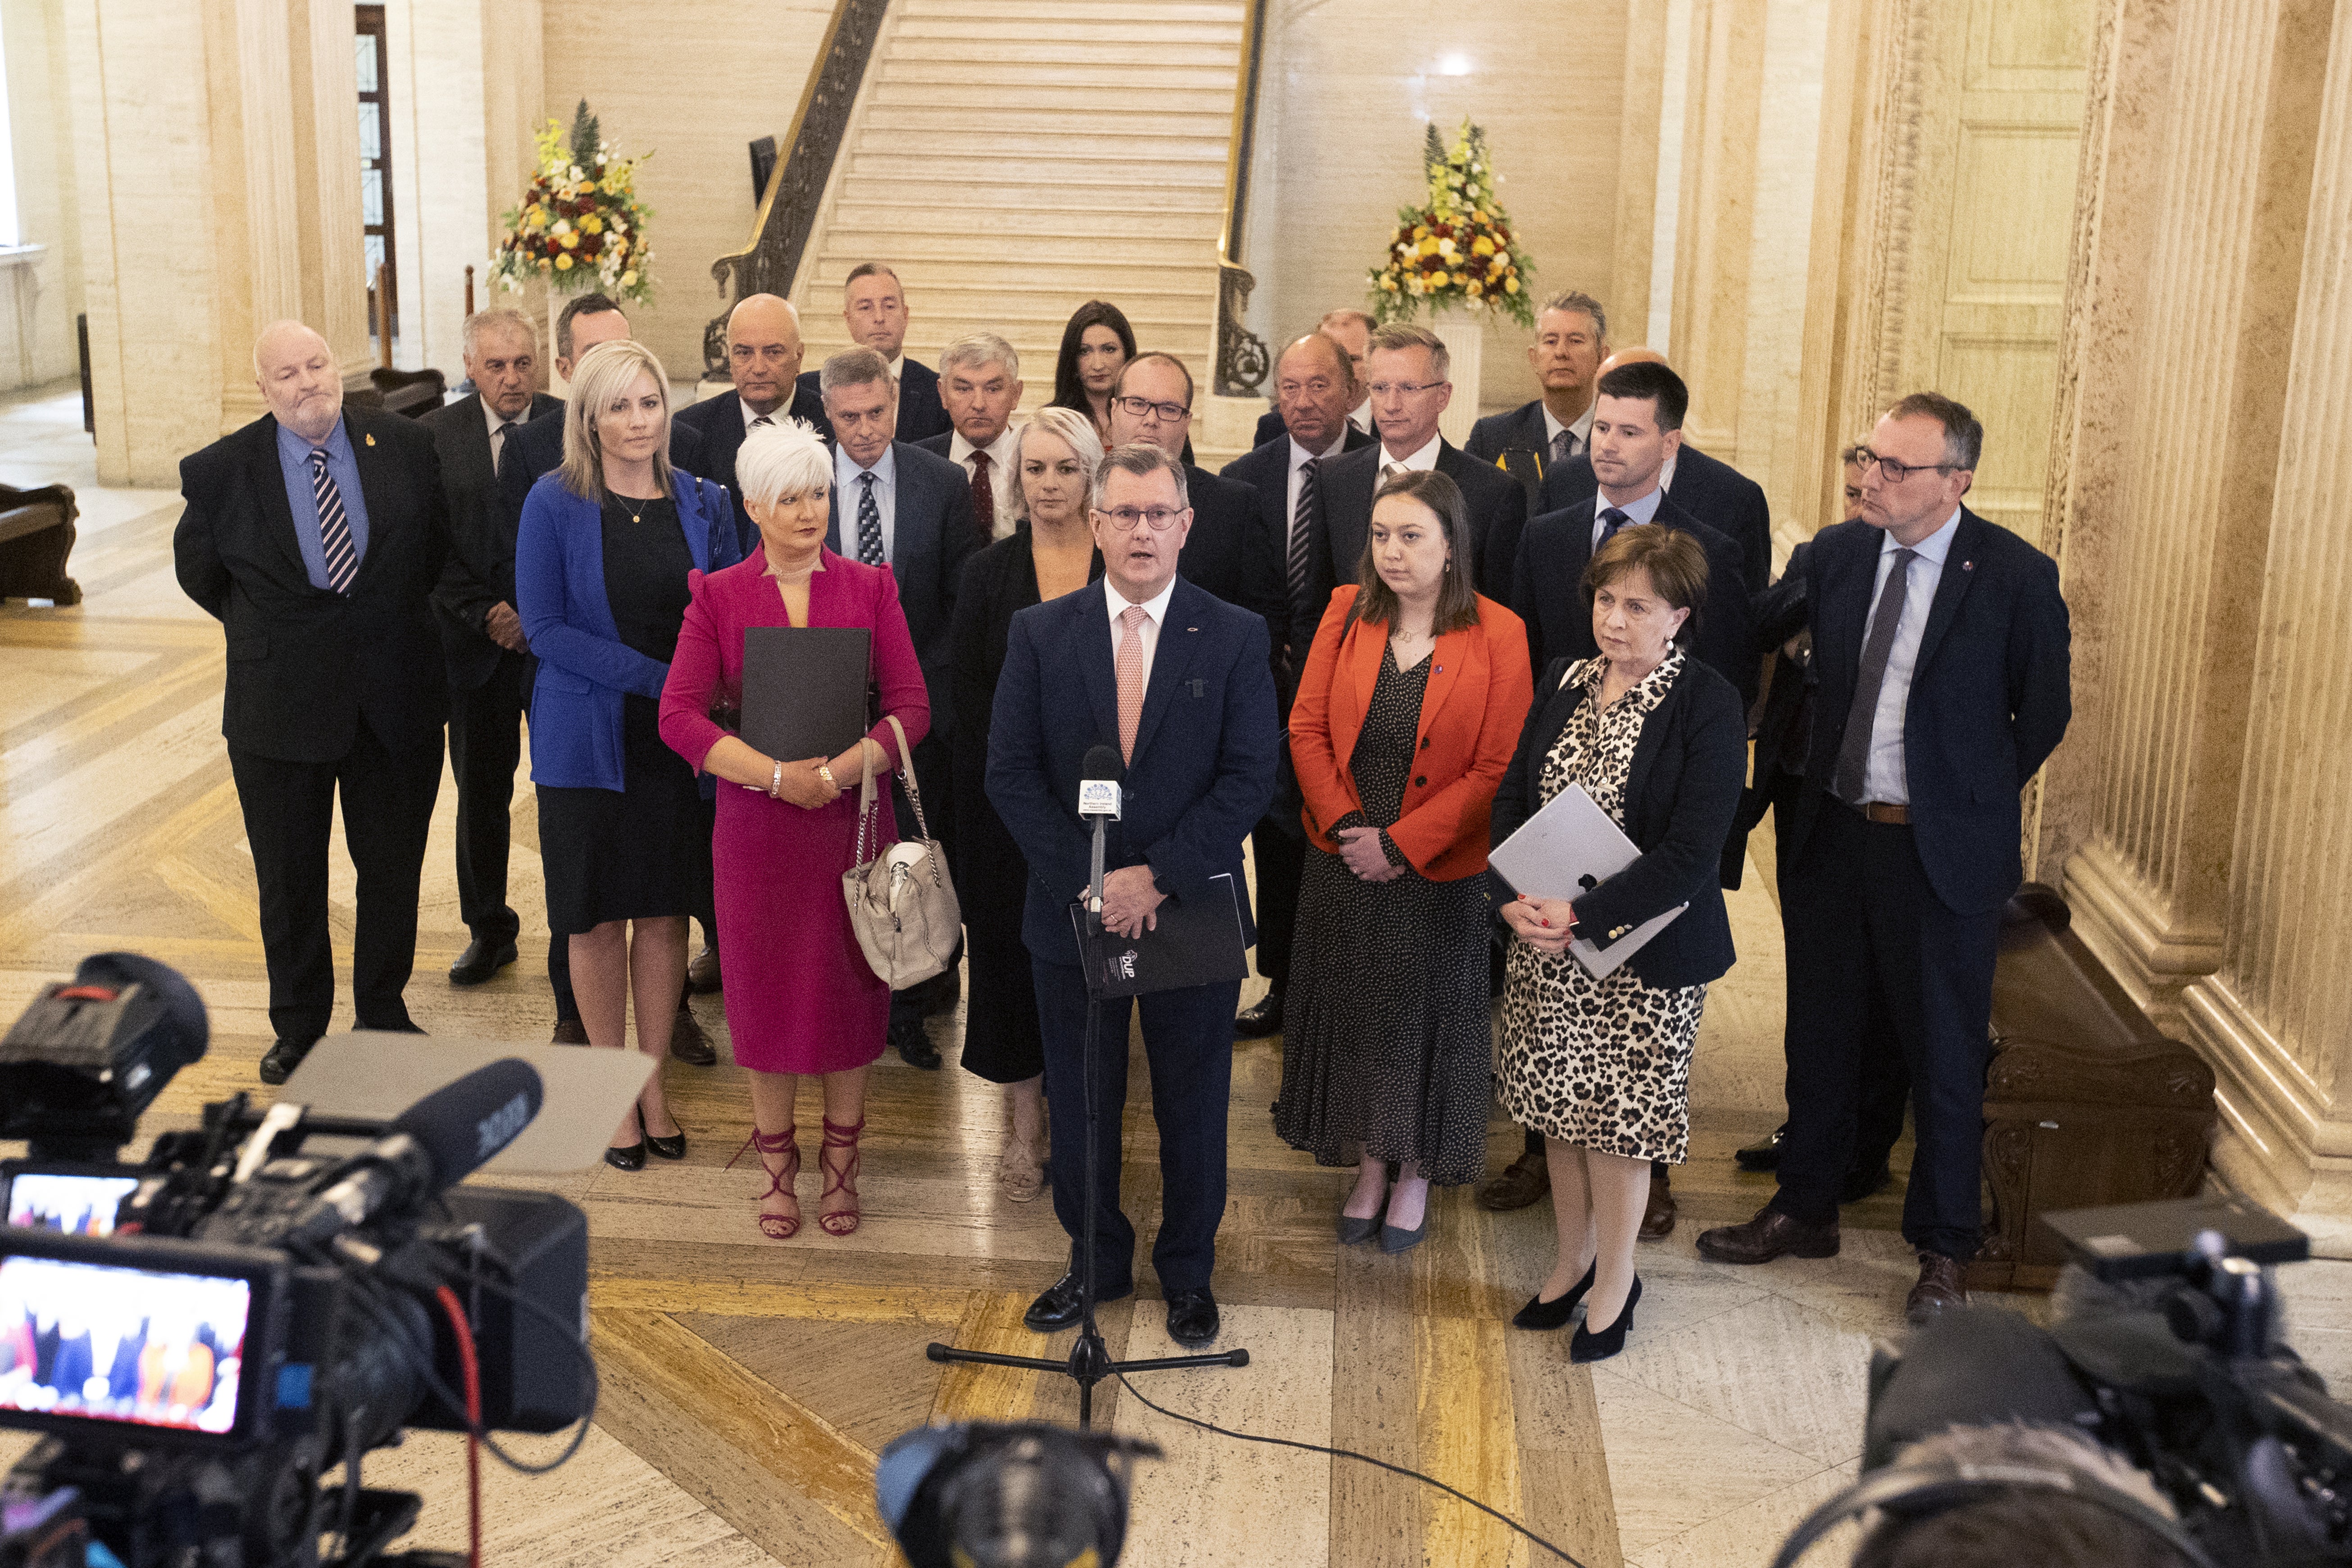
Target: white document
[{"x": 1567, "y": 848}]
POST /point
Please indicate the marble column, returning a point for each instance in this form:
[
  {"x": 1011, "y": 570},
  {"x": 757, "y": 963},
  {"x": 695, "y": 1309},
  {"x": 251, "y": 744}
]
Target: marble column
[{"x": 1724, "y": 89}]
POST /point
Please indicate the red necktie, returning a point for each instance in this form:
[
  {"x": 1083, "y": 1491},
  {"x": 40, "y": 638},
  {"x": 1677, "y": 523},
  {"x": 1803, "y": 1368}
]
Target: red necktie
[{"x": 983, "y": 496}]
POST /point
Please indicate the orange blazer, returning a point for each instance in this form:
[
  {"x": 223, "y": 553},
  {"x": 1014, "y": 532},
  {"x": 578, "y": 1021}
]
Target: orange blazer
[{"x": 1472, "y": 712}]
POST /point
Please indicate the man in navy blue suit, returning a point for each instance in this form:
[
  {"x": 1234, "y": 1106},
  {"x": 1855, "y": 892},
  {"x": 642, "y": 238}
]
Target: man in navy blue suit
[
  {"x": 1180, "y": 681},
  {"x": 764, "y": 359},
  {"x": 1940, "y": 642},
  {"x": 874, "y": 307}
]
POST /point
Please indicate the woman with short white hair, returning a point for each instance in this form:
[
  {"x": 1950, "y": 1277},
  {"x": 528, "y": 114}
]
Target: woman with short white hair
[{"x": 801, "y": 998}]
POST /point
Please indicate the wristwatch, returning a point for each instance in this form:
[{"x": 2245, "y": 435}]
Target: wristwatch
[{"x": 825, "y": 772}]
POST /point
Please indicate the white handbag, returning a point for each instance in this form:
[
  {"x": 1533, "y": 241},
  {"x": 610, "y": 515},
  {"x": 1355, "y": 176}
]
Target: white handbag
[{"x": 902, "y": 903}]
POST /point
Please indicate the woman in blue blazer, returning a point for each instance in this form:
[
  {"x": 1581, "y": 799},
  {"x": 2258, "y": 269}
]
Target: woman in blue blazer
[{"x": 602, "y": 554}]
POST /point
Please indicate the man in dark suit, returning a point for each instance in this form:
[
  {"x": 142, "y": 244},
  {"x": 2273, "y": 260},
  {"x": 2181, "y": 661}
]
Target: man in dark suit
[
  {"x": 1571, "y": 336},
  {"x": 1228, "y": 552},
  {"x": 763, "y": 357},
  {"x": 1180, "y": 683},
  {"x": 1710, "y": 489},
  {"x": 1941, "y": 645},
  {"x": 1409, "y": 394},
  {"x": 874, "y": 307},
  {"x": 482, "y": 643},
  {"x": 1315, "y": 382},
  {"x": 1352, "y": 331},
  {"x": 898, "y": 506},
  {"x": 315, "y": 536},
  {"x": 980, "y": 383}
]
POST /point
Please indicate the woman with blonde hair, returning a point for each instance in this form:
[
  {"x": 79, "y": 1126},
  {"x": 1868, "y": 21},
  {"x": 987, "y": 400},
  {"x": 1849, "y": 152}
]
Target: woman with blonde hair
[{"x": 602, "y": 556}]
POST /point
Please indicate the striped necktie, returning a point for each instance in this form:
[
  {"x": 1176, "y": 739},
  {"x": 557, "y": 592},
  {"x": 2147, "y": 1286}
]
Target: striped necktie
[
  {"x": 1303, "y": 619},
  {"x": 334, "y": 526},
  {"x": 869, "y": 523}
]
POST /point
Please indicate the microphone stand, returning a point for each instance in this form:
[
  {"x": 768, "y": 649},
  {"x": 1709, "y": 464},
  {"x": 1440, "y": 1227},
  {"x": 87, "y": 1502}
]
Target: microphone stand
[{"x": 1089, "y": 1361}]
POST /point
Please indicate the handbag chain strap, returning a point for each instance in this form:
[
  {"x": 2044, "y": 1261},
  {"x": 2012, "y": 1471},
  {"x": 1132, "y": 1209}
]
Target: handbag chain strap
[{"x": 914, "y": 797}]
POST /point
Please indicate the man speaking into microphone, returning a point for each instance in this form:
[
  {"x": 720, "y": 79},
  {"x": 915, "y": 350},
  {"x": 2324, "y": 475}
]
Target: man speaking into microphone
[{"x": 1179, "y": 682}]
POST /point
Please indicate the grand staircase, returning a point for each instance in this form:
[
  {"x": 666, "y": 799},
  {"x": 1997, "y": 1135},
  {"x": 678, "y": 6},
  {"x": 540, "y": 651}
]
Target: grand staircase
[{"x": 1012, "y": 159}]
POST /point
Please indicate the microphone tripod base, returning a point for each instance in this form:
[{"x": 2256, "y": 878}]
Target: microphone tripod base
[{"x": 1087, "y": 1364}]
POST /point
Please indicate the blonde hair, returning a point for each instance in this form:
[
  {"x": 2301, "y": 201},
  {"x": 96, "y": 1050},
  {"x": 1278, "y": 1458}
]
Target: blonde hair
[
  {"x": 604, "y": 375},
  {"x": 1073, "y": 430}
]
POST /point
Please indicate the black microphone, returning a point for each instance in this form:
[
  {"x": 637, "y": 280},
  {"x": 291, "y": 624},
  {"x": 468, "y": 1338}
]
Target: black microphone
[
  {"x": 434, "y": 1144},
  {"x": 1099, "y": 799}
]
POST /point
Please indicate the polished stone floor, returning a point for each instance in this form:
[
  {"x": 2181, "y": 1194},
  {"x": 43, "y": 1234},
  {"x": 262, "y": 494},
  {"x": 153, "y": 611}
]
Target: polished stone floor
[{"x": 748, "y": 1385}]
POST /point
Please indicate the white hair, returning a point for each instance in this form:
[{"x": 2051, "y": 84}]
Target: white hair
[
  {"x": 781, "y": 460},
  {"x": 499, "y": 318},
  {"x": 978, "y": 350}
]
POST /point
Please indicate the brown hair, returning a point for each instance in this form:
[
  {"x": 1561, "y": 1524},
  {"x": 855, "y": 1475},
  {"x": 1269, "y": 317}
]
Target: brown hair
[
  {"x": 1457, "y": 601},
  {"x": 1963, "y": 431},
  {"x": 1674, "y": 562}
]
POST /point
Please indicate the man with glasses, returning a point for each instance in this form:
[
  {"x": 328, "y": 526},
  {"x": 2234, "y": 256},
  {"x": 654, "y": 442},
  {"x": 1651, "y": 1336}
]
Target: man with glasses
[
  {"x": 1181, "y": 685},
  {"x": 1941, "y": 646},
  {"x": 1409, "y": 394},
  {"x": 1352, "y": 331}
]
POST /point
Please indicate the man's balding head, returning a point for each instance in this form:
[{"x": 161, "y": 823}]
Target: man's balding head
[
  {"x": 1314, "y": 387},
  {"x": 1632, "y": 356},
  {"x": 764, "y": 351},
  {"x": 296, "y": 369}
]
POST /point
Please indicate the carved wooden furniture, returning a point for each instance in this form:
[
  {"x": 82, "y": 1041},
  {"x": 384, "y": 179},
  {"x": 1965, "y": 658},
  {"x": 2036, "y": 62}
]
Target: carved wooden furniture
[
  {"x": 2086, "y": 1103},
  {"x": 414, "y": 392},
  {"x": 37, "y": 534}
]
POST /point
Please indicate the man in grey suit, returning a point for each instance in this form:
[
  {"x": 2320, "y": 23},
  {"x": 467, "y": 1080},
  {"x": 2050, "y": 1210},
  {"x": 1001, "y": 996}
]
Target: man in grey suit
[{"x": 896, "y": 505}]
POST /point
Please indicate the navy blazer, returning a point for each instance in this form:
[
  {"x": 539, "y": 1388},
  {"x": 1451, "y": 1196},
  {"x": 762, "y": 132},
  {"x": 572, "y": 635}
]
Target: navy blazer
[
  {"x": 1522, "y": 429},
  {"x": 1266, "y": 468},
  {"x": 718, "y": 423},
  {"x": 1709, "y": 489},
  {"x": 921, "y": 415},
  {"x": 585, "y": 668},
  {"x": 1497, "y": 504},
  {"x": 933, "y": 536},
  {"x": 1989, "y": 698},
  {"x": 1229, "y": 553},
  {"x": 537, "y": 449},
  {"x": 1682, "y": 791},
  {"x": 481, "y": 531},
  {"x": 1202, "y": 771}
]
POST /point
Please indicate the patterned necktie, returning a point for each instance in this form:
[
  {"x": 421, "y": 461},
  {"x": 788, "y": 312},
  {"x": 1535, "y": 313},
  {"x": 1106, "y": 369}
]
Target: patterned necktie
[
  {"x": 1612, "y": 519},
  {"x": 1303, "y": 618},
  {"x": 334, "y": 527},
  {"x": 1853, "y": 773},
  {"x": 763, "y": 421},
  {"x": 499, "y": 441},
  {"x": 983, "y": 496},
  {"x": 869, "y": 523},
  {"x": 1563, "y": 447},
  {"x": 1130, "y": 677}
]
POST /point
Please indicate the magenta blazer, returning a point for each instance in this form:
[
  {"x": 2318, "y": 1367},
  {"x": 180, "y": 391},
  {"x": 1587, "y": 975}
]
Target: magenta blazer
[{"x": 709, "y": 657}]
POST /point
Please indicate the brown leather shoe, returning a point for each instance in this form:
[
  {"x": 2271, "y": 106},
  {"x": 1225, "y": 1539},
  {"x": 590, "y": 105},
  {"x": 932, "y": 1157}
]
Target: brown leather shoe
[
  {"x": 687, "y": 1043},
  {"x": 1658, "y": 1216},
  {"x": 702, "y": 971},
  {"x": 1769, "y": 1235},
  {"x": 1939, "y": 1288},
  {"x": 1523, "y": 1182},
  {"x": 568, "y": 1032}
]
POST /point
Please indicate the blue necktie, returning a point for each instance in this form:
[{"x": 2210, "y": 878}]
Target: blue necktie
[
  {"x": 869, "y": 523},
  {"x": 334, "y": 528},
  {"x": 1612, "y": 519}
]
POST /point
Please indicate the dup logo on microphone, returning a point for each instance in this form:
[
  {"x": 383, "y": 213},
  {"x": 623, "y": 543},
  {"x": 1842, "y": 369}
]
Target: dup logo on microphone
[
  {"x": 1098, "y": 797},
  {"x": 501, "y": 1127}
]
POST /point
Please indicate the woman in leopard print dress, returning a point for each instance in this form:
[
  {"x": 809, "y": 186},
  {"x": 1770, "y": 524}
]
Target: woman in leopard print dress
[{"x": 1601, "y": 1065}]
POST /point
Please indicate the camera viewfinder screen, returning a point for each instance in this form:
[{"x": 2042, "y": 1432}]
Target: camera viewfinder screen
[
  {"x": 138, "y": 1346},
  {"x": 73, "y": 1205}
]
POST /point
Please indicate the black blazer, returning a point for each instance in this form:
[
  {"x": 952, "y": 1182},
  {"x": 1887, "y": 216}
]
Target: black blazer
[
  {"x": 1266, "y": 468},
  {"x": 1270, "y": 427},
  {"x": 932, "y": 537},
  {"x": 1710, "y": 489},
  {"x": 537, "y": 449},
  {"x": 1522, "y": 429},
  {"x": 481, "y": 529},
  {"x": 1230, "y": 554},
  {"x": 1989, "y": 695},
  {"x": 921, "y": 415},
  {"x": 1547, "y": 592},
  {"x": 1497, "y": 510},
  {"x": 1680, "y": 794},
  {"x": 718, "y": 424},
  {"x": 305, "y": 664}
]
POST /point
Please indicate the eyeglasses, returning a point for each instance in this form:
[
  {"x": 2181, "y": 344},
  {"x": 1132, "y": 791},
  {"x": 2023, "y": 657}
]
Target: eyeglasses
[
  {"x": 1895, "y": 473},
  {"x": 1385, "y": 389},
  {"x": 1125, "y": 518},
  {"x": 1143, "y": 408}
]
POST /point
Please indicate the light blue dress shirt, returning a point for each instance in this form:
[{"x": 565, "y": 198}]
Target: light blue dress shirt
[
  {"x": 294, "y": 461},
  {"x": 849, "y": 488},
  {"x": 1643, "y": 511},
  {"x": 1883, "y": 778}
]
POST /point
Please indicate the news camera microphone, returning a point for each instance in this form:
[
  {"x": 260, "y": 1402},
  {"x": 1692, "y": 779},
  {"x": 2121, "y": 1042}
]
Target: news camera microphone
[
  {"x": 1100, "y": 799},
  {"x": 434, "y": 1143}
]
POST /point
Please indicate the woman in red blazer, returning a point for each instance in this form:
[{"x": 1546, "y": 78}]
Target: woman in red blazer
[{"x": 1407, "y": 715}]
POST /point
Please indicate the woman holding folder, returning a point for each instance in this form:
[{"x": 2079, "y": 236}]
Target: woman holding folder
[
  {"x": 1602, "y": 1067},
  {"x": 801, "y": 998},
  {"x": 1412, "y": 698}
]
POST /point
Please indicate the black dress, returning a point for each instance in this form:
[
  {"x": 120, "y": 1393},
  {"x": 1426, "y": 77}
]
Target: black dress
[
  {"x": 641, "y": 852},
  {"x": 1386, "y": 1049}
]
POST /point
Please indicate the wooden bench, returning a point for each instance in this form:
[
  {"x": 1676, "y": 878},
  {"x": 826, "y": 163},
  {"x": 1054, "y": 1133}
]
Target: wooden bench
[{"x": 37, "y": 534}]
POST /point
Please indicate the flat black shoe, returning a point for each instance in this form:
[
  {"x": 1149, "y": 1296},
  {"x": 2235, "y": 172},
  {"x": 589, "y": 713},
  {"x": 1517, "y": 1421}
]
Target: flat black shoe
[
  {"x": 914, "y": 1046},
  {"x": 1058, "y": 1307},
  {"x": 687, "y": 1043},
  {"x": 283, "y": 1058},
  {"x": 630, "y": 1156},
  {"x": 481, "y": 961},
  {"x": 1585, "y": 1347},
  {"x": 1261, "y": 1018},
  {"x": 1764, "y": 1155},
  {"x": 1354, "y": 1232},
  {"x": 1394, "y": 1240},
  {"x": 1861, "y": 1184},
  {"x": 1192, "y": 1316},
  {"x": 1539, "y": 1313}
]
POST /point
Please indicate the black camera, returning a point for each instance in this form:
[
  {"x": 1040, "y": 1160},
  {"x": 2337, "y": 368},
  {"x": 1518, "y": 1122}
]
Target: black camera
[{"x": 203, "y": 1337}]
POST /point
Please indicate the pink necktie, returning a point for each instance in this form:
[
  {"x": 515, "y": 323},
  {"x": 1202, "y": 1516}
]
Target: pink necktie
[{"x": 1130, "y": 678}]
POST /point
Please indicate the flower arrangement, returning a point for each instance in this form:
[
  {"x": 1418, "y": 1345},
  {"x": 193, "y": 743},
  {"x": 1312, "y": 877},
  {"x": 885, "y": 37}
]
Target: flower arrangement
[
  {"x": 579, "y": 224},
  {"x": 1457, "y": 250}
]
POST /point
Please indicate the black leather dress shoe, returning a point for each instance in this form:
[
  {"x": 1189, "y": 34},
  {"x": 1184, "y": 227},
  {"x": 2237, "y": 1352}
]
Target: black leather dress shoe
[
  {"x": 1058, "y": 1307},
  {"x": 687, "y": 1043},
  {"x": 568, "y": 1032},
  {"x": 914, "y": 1046},
  {"x": 1769, "y": 1235},
  {"x": 1192, "y": 1316},
  {"x": 481, "y": 961},
  {"x": 283, "y": 1058},
  {"x": 1764, "y": 1155},
  {"x": 1261, "y": 1018},
  {"x": 702, "y": 971}
]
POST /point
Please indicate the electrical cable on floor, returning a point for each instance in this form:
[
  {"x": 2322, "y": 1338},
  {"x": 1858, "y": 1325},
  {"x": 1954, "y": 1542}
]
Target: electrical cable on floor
[{"x": 1350, "y": 1454}]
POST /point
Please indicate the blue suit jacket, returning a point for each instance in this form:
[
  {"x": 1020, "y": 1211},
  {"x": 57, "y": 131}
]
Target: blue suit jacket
[
  {"x": 933, "y": 534},
  {"x": 536, "y": 447},
  {"x": 1201, "y": 775},
  {"x": 585, "y": 668}
]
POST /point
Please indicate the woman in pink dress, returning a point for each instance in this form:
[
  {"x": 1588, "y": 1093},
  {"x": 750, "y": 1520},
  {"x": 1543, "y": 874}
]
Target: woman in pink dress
[{"x": 800, "y": 996}]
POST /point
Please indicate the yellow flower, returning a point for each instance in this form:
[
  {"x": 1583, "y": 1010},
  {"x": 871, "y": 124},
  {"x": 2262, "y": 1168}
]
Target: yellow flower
[
  {"x": 591, "y": 224},
  {"x": 570, "y": 242},
  {"x": 629, "y": 278},
  {"x": 1510, "y": 285},
  {"x": 1389, "y": 282},
  {"x": 1428, "y": 247},
  {"x": 1481, "y": 246},
  {"x": 563, "y": 263},
  {"x": 1474, "y": 290},
  {"x": 1421, "y": 232}
]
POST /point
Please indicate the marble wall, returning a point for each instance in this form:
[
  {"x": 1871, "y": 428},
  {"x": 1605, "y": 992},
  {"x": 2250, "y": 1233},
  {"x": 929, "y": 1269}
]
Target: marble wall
[{"x": 38, "y": 300}]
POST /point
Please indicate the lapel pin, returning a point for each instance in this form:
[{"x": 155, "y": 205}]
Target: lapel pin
[
  {"x": 1968, "y": 565},
  {"x": 371, "y": 440},
  {"x": 1191, "y": 628}
]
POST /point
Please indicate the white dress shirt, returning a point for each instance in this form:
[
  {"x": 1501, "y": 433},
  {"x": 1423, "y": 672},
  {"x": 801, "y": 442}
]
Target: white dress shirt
[
  {"x": 1666, "y": 472},
  {"x": 1299, "y": 458},
  {"x": 776, "y": 416},
  {"x": 497, "y": 423},
  {"x": 1883, "y": 778},
  {"x": 1361, "y": 417},
  {"x": 1155, "y": 610},
  {"x": 849, "y": 493},
  {"x": 1581, "y": 428},
  {"x": 1003, "y": 463},
  {"x": 1643, "y": 511},
  {"x": 1420, "y": 462}
]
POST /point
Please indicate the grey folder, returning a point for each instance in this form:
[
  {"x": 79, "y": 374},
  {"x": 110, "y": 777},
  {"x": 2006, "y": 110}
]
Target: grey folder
[
  {"x": 1572, "y": 846},
  {"x": 804, "y": 689}
]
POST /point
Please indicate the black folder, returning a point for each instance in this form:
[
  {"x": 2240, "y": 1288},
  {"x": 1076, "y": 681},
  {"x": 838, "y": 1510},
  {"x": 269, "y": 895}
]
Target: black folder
[
  {"x": 804, "y": 689},
  {"x": 1196, "y": 941}
]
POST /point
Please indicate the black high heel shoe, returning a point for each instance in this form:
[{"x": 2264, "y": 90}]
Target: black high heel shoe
[
  {"x": 1539, "y": 1313},
  {"x": 629, "y": 1156},
  {"x": 1587, "y": 1347},
  {"x": 671, "y": 1148}
]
